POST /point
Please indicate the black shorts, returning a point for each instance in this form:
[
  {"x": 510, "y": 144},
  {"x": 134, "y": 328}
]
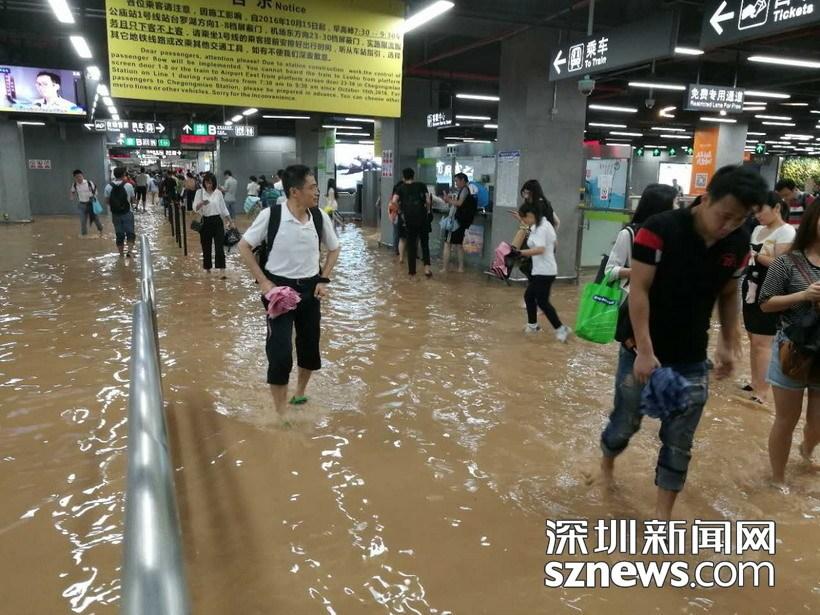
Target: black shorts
[
  {"x": 306, "y": 319},
  {"x": 754, "y": 319},
  {"x": 456, "y": 238}
]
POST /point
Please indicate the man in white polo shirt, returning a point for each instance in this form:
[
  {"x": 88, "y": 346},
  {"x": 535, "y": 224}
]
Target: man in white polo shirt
[{"x": 294, "y": 261}]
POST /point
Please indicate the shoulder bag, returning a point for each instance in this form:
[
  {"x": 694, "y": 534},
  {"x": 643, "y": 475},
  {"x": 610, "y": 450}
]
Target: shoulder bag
[{"x": 798, "y": 353}]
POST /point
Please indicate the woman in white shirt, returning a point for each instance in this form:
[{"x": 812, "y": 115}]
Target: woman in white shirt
[
  {"x": 771, "y": 239},
  {"x": 541, "y": 248},
  {"x": 210, "y": 204},
  {"x": 656, "y": 198},
  {"x": 253, "y": 186}
]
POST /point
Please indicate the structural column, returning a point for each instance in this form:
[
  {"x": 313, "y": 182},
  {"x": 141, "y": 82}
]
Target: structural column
[
  {"x": 544, "y": 122},
  {"x": 14, "y": 194}
]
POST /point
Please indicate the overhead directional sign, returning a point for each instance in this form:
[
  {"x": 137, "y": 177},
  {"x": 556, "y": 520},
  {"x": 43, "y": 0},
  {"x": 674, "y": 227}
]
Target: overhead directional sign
[
  {"x": 137, "y": 127},
  {"x": 219, "y": 130},
  {"x": 126, "y": 140},
  {"x": 714, "y": 98},
  {"x": 730, "y": 21},
  {"x": 440, "y": 119},
  {"x": 631, "y": 44}
]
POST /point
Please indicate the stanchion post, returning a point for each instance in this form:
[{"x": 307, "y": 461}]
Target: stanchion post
[
  {"x": 177, "y": 223},
  {"x": 184, "y": 234}
]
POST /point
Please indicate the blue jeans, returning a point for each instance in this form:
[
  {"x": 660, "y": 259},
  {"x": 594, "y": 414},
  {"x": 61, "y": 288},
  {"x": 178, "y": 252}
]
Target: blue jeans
[
  {"x": 124, "y": 227},
  {"x": 86, "y": 214},
  {"x": 676, "y": 433}
]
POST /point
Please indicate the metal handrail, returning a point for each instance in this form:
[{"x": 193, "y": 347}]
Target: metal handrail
[{"x": 153, "y": 574}]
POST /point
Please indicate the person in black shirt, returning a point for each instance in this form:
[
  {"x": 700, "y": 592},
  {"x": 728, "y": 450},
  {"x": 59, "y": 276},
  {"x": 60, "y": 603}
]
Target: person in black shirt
[
  {"x": 414, "y": 206},
  {"x": 683, "y": 261},
  {"x": 463, "y": 208}
]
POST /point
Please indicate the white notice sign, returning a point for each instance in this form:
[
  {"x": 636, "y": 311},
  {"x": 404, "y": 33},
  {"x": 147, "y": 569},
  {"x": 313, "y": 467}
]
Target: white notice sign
[{"x": 507, "y": 180}]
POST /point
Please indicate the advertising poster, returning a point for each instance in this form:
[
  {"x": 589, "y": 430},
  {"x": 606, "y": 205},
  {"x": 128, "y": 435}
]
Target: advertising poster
[
  {"x": 40, "y": 90},
  {"x": 311, "y": 55},
  {"x": 352, "y": 160},
  {"x": 606, "y": 183},
  {"x": 704, "y": 159}
]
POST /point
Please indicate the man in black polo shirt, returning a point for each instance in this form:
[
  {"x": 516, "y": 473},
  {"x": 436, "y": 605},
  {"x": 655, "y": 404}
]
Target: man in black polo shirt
[{"x": 682, "y": 261}]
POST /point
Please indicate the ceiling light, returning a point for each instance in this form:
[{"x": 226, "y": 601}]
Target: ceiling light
[
  {"x": 81, "y": 47},
  {"x": 657, "y": 86},
  {"x": 763, "y": 94},
  {"x": 237, "y": 118},
  {"x": 667, "y": 112},
  {"x": 425, "y": 15},
  {"x": 688, "y": 51},
  {"x": 610, "y": 144},
  {"x": 816, "y": 112},
  {"x": 773, "y": 117},
  {"x": 453, "y": 138},
  {"x": 93, "y": 73},
  {"x": 605, "y": 125},
  {"x": 798, "y": 137},
  {"x": 228, "y": 123},
  {"x": 112, "y": 110},
  {"x": 785, "y": 61},
  {"x": 31, "y": 123},
  {"x": 491, "y": 126},
  {"x": 477, "y": 97},
  {"x": 115, "y": 117},
  {"x": 725, "y": 120},
  {"x": 108, "y": 101},
  {"x": 625, "y": 134},
  {"x": 286, "y": 117},
  {"x": 479, "y": 118},
  {"x": 759, "y": 134},
  {"x": 359, "y": 119},
  {"x": 613, "y": 108},
  {"x": 662, "y": 129},
  {"x": 684, "y": 137},
  {"x": 248, "y": 112},
  {"x": 655, "y": 147},
  {"x": 790, "y": 124},
  {"x": 366, "y": 142},
  {"x": 477, "y": 141},
  {"x": 803, "y": 104},
  {"x": 342, "y": 127},
  {"x": 61, "y": 11},
  {"x": 350, "y": 134},
  {"x": 102, "y": 90}
]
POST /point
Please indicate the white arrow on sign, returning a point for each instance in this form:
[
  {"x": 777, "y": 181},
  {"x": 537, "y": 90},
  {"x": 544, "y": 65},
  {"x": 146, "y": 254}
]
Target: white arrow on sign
[
  {"x": 160, "y": 128},
  {"x": 559, "y": 61},
  {"x": 186, "y": 129},
  {"x": 719, "y": 17}
]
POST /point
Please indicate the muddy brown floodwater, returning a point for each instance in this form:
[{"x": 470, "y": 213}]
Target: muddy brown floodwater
[{"x": 437, "y": 442}]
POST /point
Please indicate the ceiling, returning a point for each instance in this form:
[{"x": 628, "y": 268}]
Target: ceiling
[{"x": 462, "y": 49}]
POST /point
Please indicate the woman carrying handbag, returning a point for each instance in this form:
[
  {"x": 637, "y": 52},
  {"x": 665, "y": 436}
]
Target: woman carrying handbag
[
  {"x": 792, "y": 288},
  {"x": 210, "y": 204}
]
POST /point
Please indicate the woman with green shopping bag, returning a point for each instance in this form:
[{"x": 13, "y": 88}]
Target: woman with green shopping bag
[{"x": 600, "y": 303}]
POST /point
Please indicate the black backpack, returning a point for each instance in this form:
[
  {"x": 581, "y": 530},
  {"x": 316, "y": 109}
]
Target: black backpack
[
  {"x": 118, "y": 199},
  {"x": 466, "y": 213},
  {"x": 414, "y": 211},
  {"x": 262, "y": 251}
]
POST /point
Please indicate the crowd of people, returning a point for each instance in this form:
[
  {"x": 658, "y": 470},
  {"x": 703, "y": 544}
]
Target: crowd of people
[{"x": 752, "y": 252}]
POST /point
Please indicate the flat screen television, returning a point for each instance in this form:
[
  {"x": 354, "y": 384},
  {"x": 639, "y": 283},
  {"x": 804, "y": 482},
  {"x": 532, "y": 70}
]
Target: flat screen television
[{"x": 53, "y": 91}]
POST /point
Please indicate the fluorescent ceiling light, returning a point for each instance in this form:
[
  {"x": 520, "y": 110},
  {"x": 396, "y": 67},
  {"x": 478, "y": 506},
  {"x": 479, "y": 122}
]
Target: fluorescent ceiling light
[
  {"x": 815, "y": 111},
  {"x": 688, "y": 51},
  {"x": 477, "y": 141},
  {"x": 359, "y": 119},
  {"x": 426, "y": 14},
  {"x": 790, "y": 124},
  {"x": 342, "y": 127},
  {"x": 618, "y": 139},
  {"x": 803, "y": 104},
  {"x": 366, "y": 142},
  {"x": 657, "y": 86},
  {"x": 479, "y": 118},
  {"x": 798, "y": 137},
  {"x": 625, "y": 134},
  {"x": 616, "y": 109},
  {"x": 618, "y": 144},
  {"x": 61, "y": 11},
  {"x": 350, "y": 134},
  {"x": 108, "y": 101},
  {"x": 453, "y": 138},
  {"x": 605, "y": 125},
  {"x": 237, "y": 118},
  {"x": 115, "y": 117},
  {"x": 785, "y": 61},
  {"x": 763, "y": 94},
  {"x": 785, "y": 118},
  {"x": 81, "y": 47},
  {"x": 102, "y": 89},
  {"x": 94, "y": 73},
  {"x": 725, "y": 120},
  {"x": 684, "y": 137},
  {"x": 251, "y": 111},
  {"x": 113, "y": 110},
  {"x": 662, "y": 129},
  {"x": 491, "y": 126},
  {"x": 477, "y": 97},
  {"x": 31, "y": 123},
  {"x": 655, "y": 147},
  {"x": 667, "y": 112},
  {"x": 228, "y": 123},
  {"x": 759, "y": 134},
  {"x": 286, "y": 117}
]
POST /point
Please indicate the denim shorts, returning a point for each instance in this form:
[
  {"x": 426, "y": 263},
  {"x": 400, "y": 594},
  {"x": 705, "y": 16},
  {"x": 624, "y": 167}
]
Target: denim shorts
[
  {"x": 676, "y": 433},
  {"x": 775, "y": 375}
]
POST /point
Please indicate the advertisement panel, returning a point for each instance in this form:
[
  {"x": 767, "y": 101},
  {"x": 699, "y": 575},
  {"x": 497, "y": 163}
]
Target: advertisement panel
[
  {"x": 704, "y": 159},
  {"x": 27, "y": 89}
]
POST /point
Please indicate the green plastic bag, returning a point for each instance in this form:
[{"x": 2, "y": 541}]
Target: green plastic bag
[{"x": 598, "y": 312}]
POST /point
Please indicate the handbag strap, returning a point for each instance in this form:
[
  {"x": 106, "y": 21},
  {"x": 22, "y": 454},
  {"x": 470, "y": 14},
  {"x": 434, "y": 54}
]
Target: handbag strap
[{"x": 801, "y": 267}]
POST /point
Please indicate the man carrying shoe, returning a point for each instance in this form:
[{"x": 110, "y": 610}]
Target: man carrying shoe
[{"x": 292, "y": 234}]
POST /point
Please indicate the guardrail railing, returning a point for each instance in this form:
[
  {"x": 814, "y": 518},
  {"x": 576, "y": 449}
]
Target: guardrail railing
[{"x": 153, "y": 574}]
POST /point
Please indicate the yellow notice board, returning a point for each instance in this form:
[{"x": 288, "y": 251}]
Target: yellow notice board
[{"x": 335, "y": 56}]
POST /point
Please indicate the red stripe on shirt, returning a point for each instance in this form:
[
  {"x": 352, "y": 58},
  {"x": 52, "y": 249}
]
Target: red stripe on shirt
[{"x": 647, "y": 238}]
